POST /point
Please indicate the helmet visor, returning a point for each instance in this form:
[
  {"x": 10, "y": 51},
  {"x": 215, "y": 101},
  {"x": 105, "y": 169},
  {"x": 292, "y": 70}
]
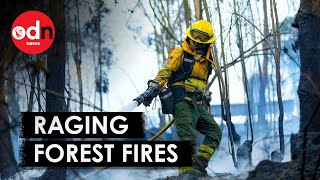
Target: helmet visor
[{"x": 202, "y": 36}]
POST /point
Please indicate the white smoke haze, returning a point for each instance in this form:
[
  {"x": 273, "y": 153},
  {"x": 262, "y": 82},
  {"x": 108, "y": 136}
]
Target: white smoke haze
[
  {"x": 28, "y": 174},
  {"x": 136, "y": 173},
  {"x": 140, "y": 65},
  {"x": 221, "y": 164}
]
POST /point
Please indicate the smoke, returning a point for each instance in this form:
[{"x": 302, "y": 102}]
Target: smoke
[
  {"x": 29, "y": 174},
  {"x": 136, "y": 173}
]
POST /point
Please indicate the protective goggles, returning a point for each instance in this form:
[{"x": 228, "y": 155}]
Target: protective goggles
[{"x": 202, "y": 36}]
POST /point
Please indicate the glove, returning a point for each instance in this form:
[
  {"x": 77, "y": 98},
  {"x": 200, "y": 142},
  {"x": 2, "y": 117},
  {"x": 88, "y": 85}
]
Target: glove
[
  {"x": 207, "y": 99},
  {"x": 207, "y": 96},
  {"x": 152, "y": 91}
]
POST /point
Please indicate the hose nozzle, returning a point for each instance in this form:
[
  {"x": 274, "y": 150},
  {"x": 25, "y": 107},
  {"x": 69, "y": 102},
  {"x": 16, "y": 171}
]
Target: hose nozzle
[{"x": 147, "y": 97}]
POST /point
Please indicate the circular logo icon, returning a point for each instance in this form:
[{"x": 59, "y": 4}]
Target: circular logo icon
[{"x": 32, "y": 32}]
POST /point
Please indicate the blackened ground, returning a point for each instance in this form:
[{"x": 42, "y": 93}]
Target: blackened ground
[{"x": 218, "y": 176}]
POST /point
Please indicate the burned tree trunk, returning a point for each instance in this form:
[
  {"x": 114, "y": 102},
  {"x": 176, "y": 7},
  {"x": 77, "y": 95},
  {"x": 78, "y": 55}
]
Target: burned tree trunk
[
  {"x": 98, "y": 2},
  {"x": 8, "y": 164},
  {"x": 77, "y": 55},
  {"x": 308, "y": 23},
  {"x": 308, "y": 20},
  {"x": 55, "y": 79},
  {"x": 32, "y": 91},
  {"x": 305, "y": 146}
]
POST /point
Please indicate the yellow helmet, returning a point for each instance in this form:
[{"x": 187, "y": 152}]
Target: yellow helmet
[{"x": 201, "y": 32}]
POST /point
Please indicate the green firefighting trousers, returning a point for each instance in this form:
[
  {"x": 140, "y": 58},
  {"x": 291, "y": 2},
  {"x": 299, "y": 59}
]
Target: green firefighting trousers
[{"x": 187, "y": 121}]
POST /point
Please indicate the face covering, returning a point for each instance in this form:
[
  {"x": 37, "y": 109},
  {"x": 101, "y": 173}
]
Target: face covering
[{"x": 200, "y": 47}]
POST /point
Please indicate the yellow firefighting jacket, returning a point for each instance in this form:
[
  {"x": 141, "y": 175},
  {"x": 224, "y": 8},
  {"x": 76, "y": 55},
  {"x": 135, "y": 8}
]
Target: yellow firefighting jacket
[{"x": 172, "y": 64}]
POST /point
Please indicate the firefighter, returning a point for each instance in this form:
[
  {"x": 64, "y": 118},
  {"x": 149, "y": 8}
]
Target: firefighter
[{"x": 186, "y": 72}]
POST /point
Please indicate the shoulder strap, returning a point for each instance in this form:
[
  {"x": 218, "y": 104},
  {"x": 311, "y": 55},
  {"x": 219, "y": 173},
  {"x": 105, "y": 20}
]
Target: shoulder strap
[
  {"x": 210, "y": 67},
  {"x": 184, "y": 69}
]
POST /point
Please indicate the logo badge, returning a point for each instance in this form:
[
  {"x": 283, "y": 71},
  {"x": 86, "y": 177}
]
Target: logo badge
[{"x": 32, "y": 32}]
